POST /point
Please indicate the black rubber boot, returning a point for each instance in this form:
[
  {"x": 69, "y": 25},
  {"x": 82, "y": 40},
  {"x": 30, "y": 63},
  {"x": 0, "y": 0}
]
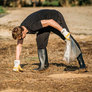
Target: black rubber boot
[
  {"x": 46, "y": 60},
  {"x": 81, "y": 62},
  {"x": 43, "y": 58}
]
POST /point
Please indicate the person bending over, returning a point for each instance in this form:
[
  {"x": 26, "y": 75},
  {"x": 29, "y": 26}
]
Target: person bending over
[{"x": 41, "y": 23}]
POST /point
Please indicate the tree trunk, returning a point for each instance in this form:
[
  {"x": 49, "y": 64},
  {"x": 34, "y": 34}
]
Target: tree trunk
[
  {"x": 34, "y": 3},
  {"x": 67, "y": 3},
  {"x": 23, "y": 2},
  {"x": 19, "y": 3},
  {"x": 5, "y": 2}
]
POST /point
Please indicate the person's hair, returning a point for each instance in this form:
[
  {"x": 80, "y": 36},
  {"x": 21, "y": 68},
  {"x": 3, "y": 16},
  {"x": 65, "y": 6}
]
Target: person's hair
[{"x": 17, "y": 32}]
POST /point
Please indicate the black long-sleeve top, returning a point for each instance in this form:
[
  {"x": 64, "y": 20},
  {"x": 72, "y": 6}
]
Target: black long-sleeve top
[{"x": 33, "y": 21}]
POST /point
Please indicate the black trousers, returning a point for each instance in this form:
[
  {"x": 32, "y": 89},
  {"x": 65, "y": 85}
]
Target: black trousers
[{"x": 43, "y": 36}]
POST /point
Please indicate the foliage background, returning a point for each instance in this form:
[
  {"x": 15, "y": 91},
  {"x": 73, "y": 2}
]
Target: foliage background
[{"x": 22, "y": 3}]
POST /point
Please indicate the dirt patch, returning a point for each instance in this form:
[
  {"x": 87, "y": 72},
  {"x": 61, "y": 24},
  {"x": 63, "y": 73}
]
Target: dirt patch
[
  {"x": 60, "y": 76},
  {"x": 69, "y": 75},
  {"x": 12, "y": 90}
]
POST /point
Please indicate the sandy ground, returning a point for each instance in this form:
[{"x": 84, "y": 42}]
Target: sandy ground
[{"x": 60, "y": 76}]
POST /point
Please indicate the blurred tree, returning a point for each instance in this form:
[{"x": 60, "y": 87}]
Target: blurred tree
[
  {"x": 62, "y": 2},
  {"x": 23, "y": 2},
  {"x": 84, "y": 2},
  {"x": 18, "y": 4},
  {"x": 5, "y": 1},
  {"x": 73, "y": 2}
]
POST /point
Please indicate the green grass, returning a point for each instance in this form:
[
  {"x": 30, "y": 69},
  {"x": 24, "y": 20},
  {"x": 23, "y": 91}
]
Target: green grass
[
  {"x": 52, "y": 3},
  {"x": 2, "y": 10}
]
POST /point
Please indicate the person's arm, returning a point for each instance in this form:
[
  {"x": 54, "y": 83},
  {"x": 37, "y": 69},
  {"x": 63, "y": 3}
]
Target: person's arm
[
  {"x": 17, "y": 66},
  {"x": 55, "y": 25},
  {"x": 18, "y": 49}
]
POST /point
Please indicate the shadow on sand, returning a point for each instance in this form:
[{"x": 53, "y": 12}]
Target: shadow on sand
[{"x": 67, "y": 67}]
